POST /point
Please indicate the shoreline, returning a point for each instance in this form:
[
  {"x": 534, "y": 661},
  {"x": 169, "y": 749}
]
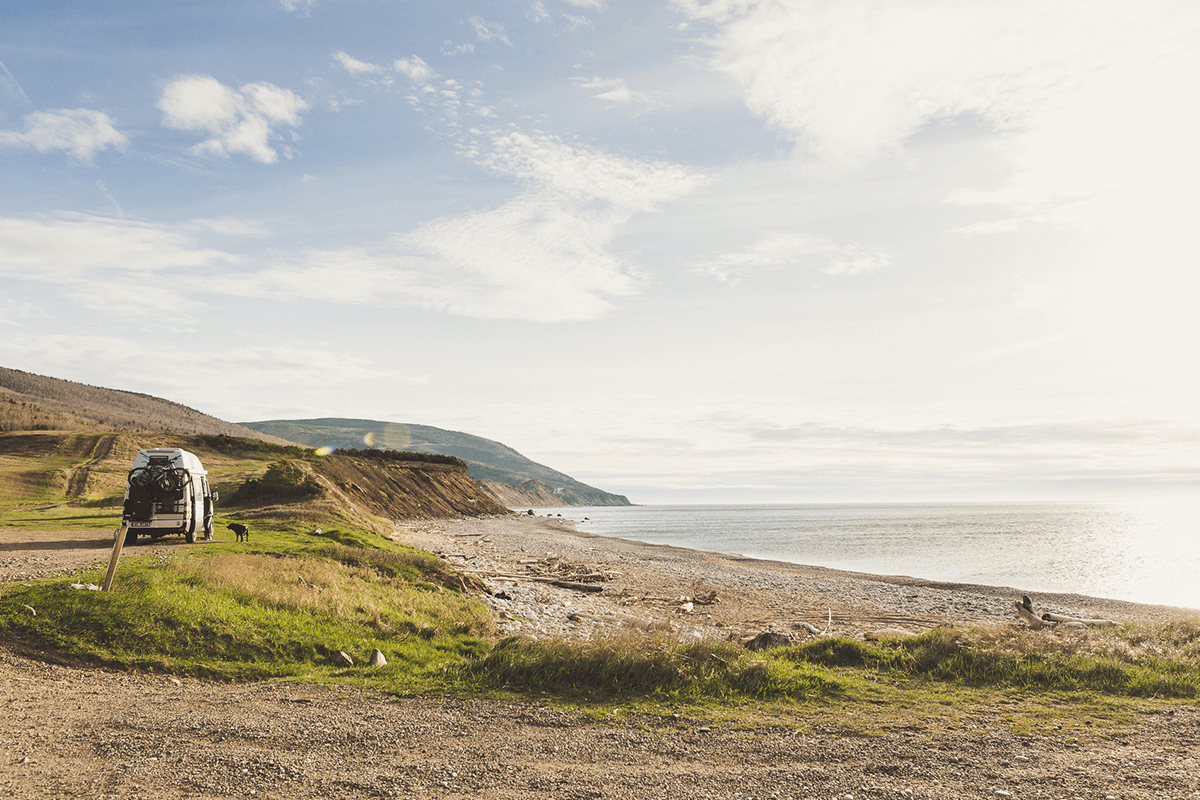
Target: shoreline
[{"x": 659, "y": 586}]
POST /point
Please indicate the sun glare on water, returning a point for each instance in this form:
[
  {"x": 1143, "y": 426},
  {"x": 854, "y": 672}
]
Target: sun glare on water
[{"x": 1172, "y": 524}]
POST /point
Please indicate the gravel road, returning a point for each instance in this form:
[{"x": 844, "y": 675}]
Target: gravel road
[{"x": 67, "y": 732}]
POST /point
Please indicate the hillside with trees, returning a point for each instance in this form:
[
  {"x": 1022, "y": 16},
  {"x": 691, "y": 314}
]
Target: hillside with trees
[{"x": 30, "y": 402}]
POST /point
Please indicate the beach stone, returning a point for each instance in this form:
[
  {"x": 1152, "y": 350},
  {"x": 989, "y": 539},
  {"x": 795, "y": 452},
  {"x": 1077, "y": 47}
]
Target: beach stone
[
  {"x": 342, "y": 659},
  {"x": 377, "y": 658},
  {"x": 767, "y": 640}
]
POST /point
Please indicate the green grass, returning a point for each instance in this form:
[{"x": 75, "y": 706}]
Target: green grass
[
  {"x": 647, "y": 667},
  {"x": 278, "y": 606},
  {"x": 59, "y": 516},
  {"x": 1131, "y": 661},
  {"x": 253, "y": 615}
]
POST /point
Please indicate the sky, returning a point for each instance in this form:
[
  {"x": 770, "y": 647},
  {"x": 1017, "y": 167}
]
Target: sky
[{"x": 690, "y": 251}]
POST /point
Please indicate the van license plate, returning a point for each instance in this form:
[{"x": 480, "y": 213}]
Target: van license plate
[{"x": 139, "y": 524}]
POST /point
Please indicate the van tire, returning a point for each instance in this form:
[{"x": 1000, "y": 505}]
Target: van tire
[
  {"x": 190, "y": 536},
  {"x": 130, "y": 536}
]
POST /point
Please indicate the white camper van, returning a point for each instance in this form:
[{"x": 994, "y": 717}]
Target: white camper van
[{"x": 168, "y": 492}]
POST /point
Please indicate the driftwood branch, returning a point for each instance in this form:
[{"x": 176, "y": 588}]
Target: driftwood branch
[
  {"x": 579, "y": 587},
  {"x": 1045, "y": 619}
]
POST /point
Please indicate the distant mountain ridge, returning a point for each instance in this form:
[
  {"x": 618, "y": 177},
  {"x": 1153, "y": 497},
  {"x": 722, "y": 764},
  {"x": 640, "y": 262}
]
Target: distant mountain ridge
[
  {"x": 31, "y": 402},
  {"x": 507, "y": 474}
]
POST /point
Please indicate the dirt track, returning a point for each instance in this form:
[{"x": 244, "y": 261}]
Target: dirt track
[{"x": 42, "y": 554}]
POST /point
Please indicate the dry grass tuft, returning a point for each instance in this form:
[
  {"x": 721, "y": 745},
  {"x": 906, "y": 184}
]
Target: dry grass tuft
[
  {"x": 342, "y": 591},
  {"x": 1177, "y": 641}
]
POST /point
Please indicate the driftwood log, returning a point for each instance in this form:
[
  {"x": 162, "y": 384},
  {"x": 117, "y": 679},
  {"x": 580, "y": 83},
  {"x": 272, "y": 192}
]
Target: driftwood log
[
  {"x": 565, "y": 584},
  {"x": 1044, "y": 619}
]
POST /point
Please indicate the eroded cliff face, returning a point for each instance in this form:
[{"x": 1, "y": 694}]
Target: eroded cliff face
[
  {"x": 404, "y": 491},
  {"x": 531, "y": 494}
]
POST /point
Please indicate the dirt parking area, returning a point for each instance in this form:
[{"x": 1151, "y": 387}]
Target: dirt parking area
[
  {"x": 26, "y": 554},
  {"x": 69, "y": 732}
]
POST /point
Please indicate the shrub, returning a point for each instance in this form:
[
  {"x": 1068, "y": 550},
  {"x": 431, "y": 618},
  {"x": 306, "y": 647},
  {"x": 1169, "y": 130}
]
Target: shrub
[
  {"x": 283, "y": 480},
  {"x": 647, "y": 666}
]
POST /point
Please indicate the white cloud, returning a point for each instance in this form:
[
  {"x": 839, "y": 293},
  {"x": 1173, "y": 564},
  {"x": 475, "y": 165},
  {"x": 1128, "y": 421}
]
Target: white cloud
[
  {"x": 543, "y": 256},
  {"x": 240, "y": 121},
  {"x": 354, "y": 66},
  {"x": 80, "y": 132},
  {"x": 533, "y": 258},
  {"x": 1013, "y": 348},
  {"x": 67, "y": 246},
  {"x": 110, "y": 197},
  {"x": 449, "y": 48},
  {"x": 1036, "y": 295},
  {"x": 851, "y": 80},
  {"x": 11, "y": 93},
  {"x": 987, "y": 227},
  {"x": 782, "y": 249},
  {"x": 613, "y": 90},
  {"x": 584, "y": 175},
  {"x": 13, "y": 313},
  {"x": 138, "y": 361},
  {"x": 227, "y": 226},
  {"x": 117, "y": 265},
  {"x": 575, "y": 21},
  {"x": 415, "y": 69},
  {"x": 489, "y": 31},
  {"x": 296, "y": 5},
  {"x": 1082, "y": 112}
]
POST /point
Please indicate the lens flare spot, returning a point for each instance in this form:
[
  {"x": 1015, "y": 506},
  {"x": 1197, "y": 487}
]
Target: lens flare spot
[
  {"x": 369, "y": 439},
  {"x": 323, "y": 451}
]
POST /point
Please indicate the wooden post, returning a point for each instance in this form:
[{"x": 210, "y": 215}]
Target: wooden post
[{"x": 112, "y": 564}]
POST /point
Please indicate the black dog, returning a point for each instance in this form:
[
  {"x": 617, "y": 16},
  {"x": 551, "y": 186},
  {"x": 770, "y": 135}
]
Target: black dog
[{"x": 243, "y": 533}]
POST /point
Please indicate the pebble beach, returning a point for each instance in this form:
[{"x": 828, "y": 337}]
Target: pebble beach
[{"x": 696, "y": 593}]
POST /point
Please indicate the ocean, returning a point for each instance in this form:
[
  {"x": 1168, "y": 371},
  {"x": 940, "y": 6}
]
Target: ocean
[{"x": 1145, "y": 552}]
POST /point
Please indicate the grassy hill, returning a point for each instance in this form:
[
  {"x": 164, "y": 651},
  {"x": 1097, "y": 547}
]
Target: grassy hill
[
  {"x": 508, "y": 475},
  {"x": 31, "y": 402},
  {"x": 78, "y": 480}
]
